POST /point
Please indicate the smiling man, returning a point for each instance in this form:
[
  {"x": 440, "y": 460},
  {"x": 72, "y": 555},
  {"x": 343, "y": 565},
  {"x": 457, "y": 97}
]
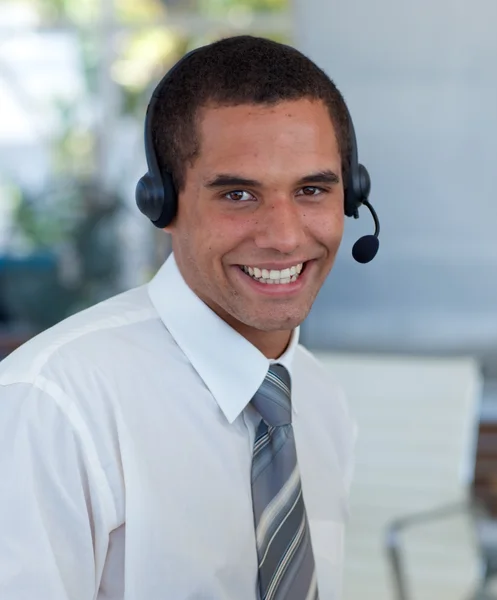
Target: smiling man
[{"x": 177, "y": 441}]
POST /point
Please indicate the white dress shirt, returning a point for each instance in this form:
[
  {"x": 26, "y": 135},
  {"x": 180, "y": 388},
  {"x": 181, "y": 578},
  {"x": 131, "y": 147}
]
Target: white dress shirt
[{"x": 125, "y": 454}]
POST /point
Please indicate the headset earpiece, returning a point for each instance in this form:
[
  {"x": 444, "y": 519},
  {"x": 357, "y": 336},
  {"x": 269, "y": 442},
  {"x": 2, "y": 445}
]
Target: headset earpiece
[
  {"x": 357, "y": 194},
  {"x": 155, "y": 193},
  {"x": 156, "y": 198},
  {"x": 358, "y": 182}
]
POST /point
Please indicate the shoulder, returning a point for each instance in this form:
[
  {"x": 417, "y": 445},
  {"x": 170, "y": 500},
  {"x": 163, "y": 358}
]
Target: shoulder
[
  {"x": 88, "y": 361},
  {"x": 311, "y": 371},
  {"x": 321, "y": 400},
  {"x": 92, "y": 336},
  {"x": 70, "y": 378},
  {"x": 315, "y": 379}
]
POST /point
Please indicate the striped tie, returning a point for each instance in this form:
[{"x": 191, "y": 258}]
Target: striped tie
[{"x": 286, "y": 561}]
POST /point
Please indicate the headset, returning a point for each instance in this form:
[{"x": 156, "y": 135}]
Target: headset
[{"x": 157, "y": 199}]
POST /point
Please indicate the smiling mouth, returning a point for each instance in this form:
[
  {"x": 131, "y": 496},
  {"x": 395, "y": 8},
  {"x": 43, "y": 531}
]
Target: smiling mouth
[{"x": 274, "y": 276}]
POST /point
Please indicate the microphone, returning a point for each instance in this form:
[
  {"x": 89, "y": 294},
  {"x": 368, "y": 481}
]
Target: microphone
[{"x": 366, "y": 247}]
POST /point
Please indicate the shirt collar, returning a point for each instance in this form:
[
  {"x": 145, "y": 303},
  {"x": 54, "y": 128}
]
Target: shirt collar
[{"x": 230, "y": 366}]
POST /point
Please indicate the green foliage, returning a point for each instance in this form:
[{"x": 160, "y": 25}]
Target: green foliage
[{"x": 222, "y": 6}]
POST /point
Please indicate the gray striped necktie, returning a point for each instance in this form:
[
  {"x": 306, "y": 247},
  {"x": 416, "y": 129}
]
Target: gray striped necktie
[{"x": 286, "y": 561}]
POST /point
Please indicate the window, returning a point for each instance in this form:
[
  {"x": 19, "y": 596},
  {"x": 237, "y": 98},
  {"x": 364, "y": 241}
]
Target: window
[{"x": 76, "y": 76}]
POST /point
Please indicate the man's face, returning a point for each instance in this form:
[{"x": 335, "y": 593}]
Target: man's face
[{"x": 261, "y": 216}]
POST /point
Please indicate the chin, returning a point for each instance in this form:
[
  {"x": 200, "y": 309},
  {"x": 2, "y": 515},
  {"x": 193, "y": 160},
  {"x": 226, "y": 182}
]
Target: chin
[{"x": 275, "y": 323}]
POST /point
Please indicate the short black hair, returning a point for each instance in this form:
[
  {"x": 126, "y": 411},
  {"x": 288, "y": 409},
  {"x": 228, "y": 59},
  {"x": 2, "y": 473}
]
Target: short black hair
[{"x": 229, "y": 72}]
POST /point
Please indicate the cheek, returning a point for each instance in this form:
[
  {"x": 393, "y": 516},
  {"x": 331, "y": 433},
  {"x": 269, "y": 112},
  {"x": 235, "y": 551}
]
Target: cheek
[
  {"x": 327, "y": 228},
  {"x": 223, "y": 232},
  {"x": 210, "y": 242}
]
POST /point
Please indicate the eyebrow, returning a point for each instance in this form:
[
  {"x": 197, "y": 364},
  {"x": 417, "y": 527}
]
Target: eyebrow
[
  {"x": 326, "y": 176},
  {"x": 227, "y": 180}
]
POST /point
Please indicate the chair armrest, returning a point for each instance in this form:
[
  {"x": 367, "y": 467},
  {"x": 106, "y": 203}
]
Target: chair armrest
[{"x": 394, "y": 529}]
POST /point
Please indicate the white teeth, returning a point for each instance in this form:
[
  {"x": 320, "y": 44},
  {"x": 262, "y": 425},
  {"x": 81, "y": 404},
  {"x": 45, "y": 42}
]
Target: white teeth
[{"x": 288, "y": 275}]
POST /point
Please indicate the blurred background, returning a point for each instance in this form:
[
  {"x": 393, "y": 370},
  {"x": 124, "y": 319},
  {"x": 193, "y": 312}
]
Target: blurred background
[{"x": 412, "y": 336}]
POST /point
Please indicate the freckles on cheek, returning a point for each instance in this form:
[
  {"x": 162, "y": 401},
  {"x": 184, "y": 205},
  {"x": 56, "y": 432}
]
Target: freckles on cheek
[
  {"x": 330, "y": 230},
  {"x": 230, "y": 230},
  {"x": 222, "y": 234},
  {"x": 325, "y": 223}
]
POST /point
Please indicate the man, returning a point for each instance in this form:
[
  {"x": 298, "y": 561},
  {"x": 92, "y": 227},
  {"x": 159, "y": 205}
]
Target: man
[{"x": 176, "y": 441}]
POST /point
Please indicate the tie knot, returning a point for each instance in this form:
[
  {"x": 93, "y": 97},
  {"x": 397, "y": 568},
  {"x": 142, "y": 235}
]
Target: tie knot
[{"x": 273, "y": 400}]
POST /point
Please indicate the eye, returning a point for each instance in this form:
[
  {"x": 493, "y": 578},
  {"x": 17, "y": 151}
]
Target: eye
[
  {"x": 310, "y": 190},
  {"x": 239, "y": 196}
]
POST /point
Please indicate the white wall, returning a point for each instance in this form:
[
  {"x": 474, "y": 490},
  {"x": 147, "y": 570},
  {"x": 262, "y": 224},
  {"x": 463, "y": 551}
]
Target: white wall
[{"x": 420, "y": 79}]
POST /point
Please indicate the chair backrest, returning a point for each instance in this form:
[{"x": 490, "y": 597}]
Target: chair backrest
[{"x": 417, "y": 421}]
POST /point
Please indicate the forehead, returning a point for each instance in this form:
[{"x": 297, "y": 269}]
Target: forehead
[{"x": 300, "y": 130}]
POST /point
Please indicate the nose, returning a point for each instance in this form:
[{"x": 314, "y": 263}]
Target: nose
[{"x": 280, "y": 226}]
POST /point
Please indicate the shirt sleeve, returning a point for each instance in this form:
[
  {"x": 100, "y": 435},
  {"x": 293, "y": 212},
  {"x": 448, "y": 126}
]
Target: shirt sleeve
[{"x": 52, "y": 519}]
